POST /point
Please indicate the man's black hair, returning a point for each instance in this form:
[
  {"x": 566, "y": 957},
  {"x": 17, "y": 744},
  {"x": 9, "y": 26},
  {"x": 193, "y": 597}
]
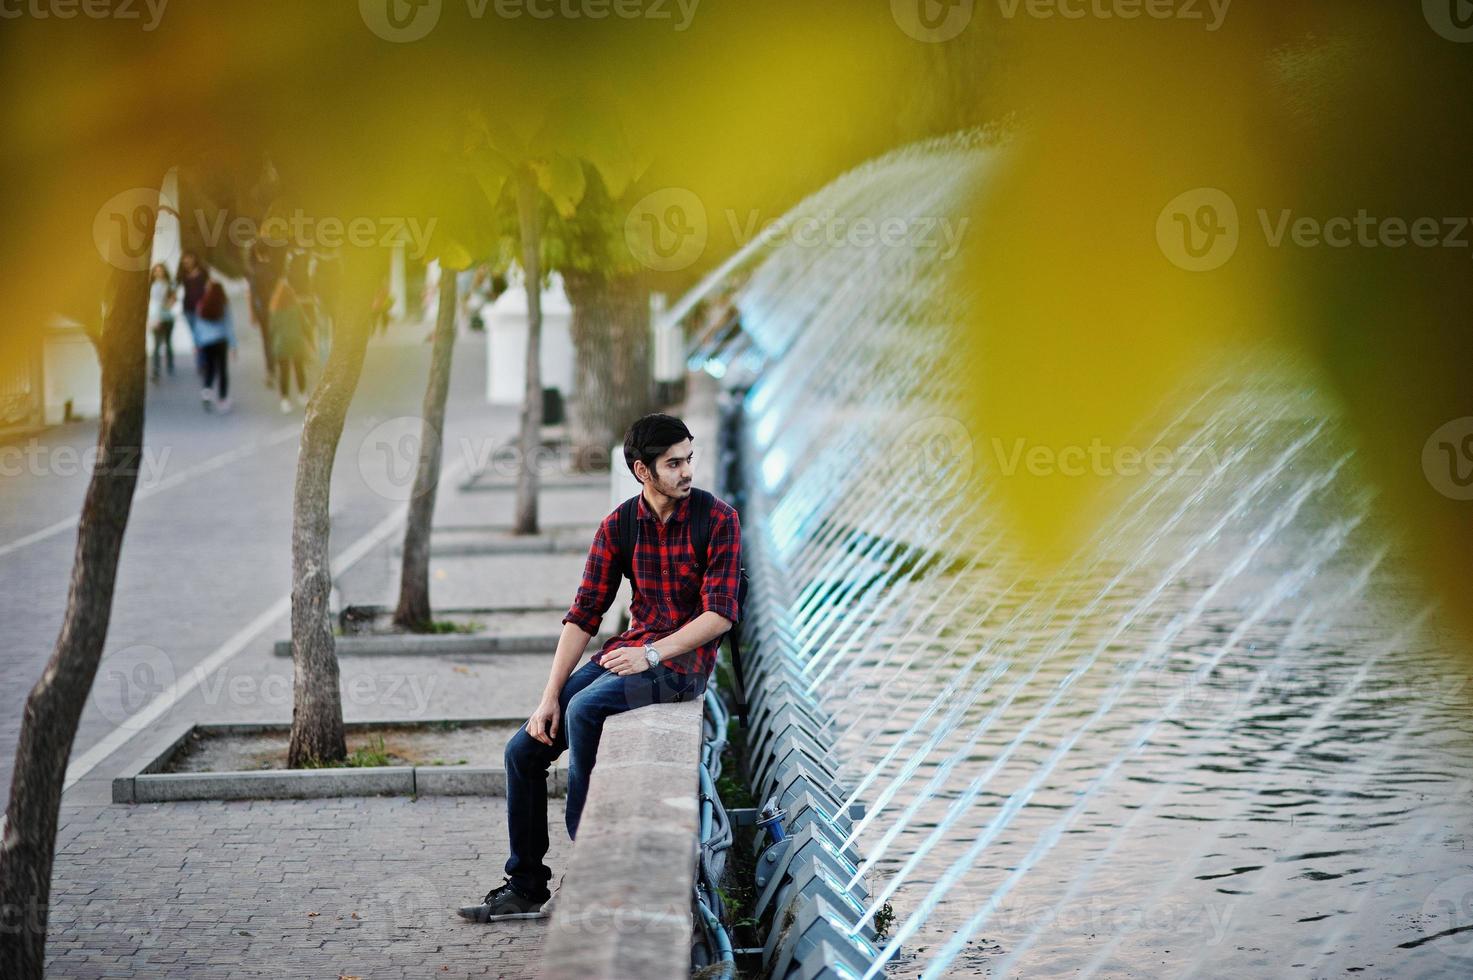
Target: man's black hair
[{"x": 650, "y": 437}]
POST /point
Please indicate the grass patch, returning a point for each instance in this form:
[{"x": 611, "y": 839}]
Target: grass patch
[
  {"x": 452, "y": 626},
  {"x": 365, "y": 758}
]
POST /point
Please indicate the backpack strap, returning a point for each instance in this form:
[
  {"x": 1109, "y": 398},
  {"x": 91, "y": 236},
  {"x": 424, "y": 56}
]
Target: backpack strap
[
  {"x": 628, "y": 536},
  {"x": 700, "y": 533},
  {"x": 701, "y": 502}
]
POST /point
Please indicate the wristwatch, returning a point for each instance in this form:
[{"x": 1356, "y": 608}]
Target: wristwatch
[{"x": 651, "y": 655}]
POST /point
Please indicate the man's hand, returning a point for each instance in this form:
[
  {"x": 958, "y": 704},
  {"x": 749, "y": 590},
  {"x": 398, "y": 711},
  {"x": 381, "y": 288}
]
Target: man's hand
[
  {"x": 625, "y": 661},
  {"x": 544, "y": 721}
]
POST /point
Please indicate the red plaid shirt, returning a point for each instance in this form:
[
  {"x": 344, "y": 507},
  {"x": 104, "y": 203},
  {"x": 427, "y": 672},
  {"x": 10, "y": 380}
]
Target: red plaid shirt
[{"x": 669, "y": 588}]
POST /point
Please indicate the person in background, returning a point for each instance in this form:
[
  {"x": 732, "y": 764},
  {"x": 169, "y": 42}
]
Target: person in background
[
  {"x": 267, "y": 265},
  {"x": 326, "y": 280},
  {"x": 192, "y": 279},
  {"x": 215, "y": 332},
  {"x": 465, "y": 281},
  {"x": 161, "y": 319},
  {"x": 484, "y": 292},
  {"x": 291, "y": 332}
]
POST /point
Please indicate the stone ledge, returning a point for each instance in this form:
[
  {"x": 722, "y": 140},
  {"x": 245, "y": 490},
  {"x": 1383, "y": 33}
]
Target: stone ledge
[{"x": 624, "y": 909}]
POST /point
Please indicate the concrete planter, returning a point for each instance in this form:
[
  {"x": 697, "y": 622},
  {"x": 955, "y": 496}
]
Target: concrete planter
[
  {"x": 145, "y": 781},
  {"x": 484, "y": 483},
  {"x": 461, "y": 541},
  {"x": 442, "y": 644}
]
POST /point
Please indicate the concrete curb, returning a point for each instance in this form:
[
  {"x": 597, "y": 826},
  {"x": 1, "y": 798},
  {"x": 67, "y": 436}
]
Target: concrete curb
[
  {"x": 441, "y": 644},
  {"x": 590, "y": 481},
  {"x": 143, "y": 782},
  {"x": 375, "y": 611},
  {"x": 471, "y": 542}
]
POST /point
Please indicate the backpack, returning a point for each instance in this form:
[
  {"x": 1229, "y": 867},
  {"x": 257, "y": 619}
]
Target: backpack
[
  {"x": 700, "y": 536},
  {"x": 212, "y": 303}
]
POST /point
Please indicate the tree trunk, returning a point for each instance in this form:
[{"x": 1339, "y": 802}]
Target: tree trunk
[
  {"x": 49, "y": 725},
  {"x": 611, "y": 345},
  {"x": 531, "y": 433},
  {"x": 317, "y": 707},
  {"x": 414, "y": 575}
]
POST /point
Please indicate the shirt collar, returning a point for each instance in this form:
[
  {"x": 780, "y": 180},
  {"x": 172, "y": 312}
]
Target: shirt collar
[{"x": 682, "y": 509}]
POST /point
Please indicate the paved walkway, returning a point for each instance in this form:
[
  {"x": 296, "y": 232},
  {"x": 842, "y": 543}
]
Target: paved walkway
[
  {"x": 228, "y": 889},
  {"x": 285, "y": 889}
]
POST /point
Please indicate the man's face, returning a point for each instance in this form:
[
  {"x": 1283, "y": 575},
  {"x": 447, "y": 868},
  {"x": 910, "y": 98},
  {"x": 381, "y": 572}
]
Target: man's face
[{"x": 673, "y": 470}]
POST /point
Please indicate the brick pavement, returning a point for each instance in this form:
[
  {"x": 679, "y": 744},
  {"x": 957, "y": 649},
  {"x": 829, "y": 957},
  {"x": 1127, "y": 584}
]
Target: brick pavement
[{"x": 287, "y": 889}]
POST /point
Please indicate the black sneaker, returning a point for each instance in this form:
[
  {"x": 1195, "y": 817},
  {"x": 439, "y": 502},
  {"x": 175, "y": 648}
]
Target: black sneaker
[{"x": 503, "y": 902}]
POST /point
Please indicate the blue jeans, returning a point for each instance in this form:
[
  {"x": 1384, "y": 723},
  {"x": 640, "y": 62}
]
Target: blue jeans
[
  {"x": 199, "y": 356},
  {"x": 590, "y": 694}
]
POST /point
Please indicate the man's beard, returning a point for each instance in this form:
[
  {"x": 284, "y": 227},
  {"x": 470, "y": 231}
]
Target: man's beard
[{"x": 674, "y": 489}]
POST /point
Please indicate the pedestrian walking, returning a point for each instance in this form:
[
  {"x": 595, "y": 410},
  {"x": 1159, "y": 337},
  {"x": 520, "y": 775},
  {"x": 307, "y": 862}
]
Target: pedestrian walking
[
  {"x": 267, "y": 266},
  {"x": 215, "y": 331},
  {"x": 326, "y": 283},
  {"x": 192, "y": 278},
  {"x": 161, "y": 320},
  {"x": 291, "y": 333}
]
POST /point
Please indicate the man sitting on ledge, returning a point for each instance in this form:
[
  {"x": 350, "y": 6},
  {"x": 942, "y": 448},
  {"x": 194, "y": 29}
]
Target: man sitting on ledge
[{"x": 683, "y": 602}]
